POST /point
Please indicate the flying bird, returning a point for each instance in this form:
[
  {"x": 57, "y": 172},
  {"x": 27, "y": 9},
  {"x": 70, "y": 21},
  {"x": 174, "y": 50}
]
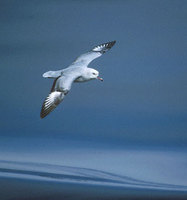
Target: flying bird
[{"x": 78, "y": 71}]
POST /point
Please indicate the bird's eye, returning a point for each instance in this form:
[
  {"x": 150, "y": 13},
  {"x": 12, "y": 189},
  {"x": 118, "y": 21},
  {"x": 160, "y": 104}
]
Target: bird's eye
[{"x": 94, "y": 73}]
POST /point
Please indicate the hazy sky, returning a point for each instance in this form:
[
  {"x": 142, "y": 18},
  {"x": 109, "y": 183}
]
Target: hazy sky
[{"x": 144, "y": 94}]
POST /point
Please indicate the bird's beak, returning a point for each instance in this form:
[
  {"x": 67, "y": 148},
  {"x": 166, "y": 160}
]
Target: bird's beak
[{"x": 99, "y": 78}]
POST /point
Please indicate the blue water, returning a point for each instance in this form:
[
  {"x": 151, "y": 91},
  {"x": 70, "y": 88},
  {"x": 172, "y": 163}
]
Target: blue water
[
  {"x": 58, "y": 173},
  {"x": 79, "y": 170}
]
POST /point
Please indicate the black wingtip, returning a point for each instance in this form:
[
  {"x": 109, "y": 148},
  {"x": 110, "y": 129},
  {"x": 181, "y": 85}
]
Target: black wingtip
[
  {"x": 102, "y": 48},
  {"x": 43, "y": 112},
  {"x": 42, "y": 115},
  {"x": 111, "y": 44},
  {"x": 108, "y": 46}
]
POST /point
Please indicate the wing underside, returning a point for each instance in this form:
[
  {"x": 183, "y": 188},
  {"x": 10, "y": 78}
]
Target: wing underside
[
  {"x": 96, "y": 52},
  {"x": 51, "y": 102},
  {"x": 64, "y": 78}
]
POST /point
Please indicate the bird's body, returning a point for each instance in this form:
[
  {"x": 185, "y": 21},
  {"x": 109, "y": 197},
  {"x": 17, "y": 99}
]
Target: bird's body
[{"x": 76, "y": 72}]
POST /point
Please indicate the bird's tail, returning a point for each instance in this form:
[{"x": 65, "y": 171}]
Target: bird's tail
[
  {"x": 52, "y": 74},
  {"x": 51, "y": 102}
]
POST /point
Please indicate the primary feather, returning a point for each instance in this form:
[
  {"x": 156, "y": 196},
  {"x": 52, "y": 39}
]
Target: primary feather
[{"x": 78, "y": 71}]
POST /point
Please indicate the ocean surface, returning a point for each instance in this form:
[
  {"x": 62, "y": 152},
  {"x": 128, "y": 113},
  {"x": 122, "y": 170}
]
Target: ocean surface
[{"x": 86, "y": 171}]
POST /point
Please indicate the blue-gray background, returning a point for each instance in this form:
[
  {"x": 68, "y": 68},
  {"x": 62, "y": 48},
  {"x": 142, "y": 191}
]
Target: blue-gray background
[
  {"x": 132, "y": 125},
  {"x": 143, "y": 99}
]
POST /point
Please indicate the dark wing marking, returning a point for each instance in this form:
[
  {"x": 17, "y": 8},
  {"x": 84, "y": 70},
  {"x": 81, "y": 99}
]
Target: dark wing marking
[
  {"x": 102, "y": 48},
  {"x": 54, "y": 83},
  {"x": 51, "y": 102},
  {"x": 96, "y": 52}
]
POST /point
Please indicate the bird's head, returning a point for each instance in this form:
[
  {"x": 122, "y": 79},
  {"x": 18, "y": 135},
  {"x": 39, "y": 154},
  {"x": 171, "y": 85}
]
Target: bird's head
[{"x": 94, "y": 74}]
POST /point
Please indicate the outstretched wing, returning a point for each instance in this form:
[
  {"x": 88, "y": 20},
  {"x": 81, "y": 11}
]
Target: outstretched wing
[
  {"x": 96, "y": 52},
  {"x": 51, "y": 102},
  {"x": 60, "y": 88}
]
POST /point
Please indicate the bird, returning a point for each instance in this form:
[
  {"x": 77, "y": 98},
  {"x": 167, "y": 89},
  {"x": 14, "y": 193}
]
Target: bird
[{"x": 78, "y": 71}]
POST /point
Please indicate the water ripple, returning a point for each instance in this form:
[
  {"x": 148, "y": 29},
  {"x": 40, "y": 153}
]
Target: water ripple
[{"x": 51, "y": 172}]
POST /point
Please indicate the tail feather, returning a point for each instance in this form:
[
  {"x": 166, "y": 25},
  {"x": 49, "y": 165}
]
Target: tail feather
[
  {"x": 51, "y": 102},
  {"x": 52, "y": 74}
]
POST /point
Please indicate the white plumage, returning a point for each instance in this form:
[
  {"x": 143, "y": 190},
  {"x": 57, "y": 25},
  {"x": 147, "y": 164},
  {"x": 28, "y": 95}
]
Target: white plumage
[{"x": 76, "y": 72}]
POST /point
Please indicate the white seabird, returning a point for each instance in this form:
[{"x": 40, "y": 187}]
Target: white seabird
[{"x": 76, "y": 72}]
